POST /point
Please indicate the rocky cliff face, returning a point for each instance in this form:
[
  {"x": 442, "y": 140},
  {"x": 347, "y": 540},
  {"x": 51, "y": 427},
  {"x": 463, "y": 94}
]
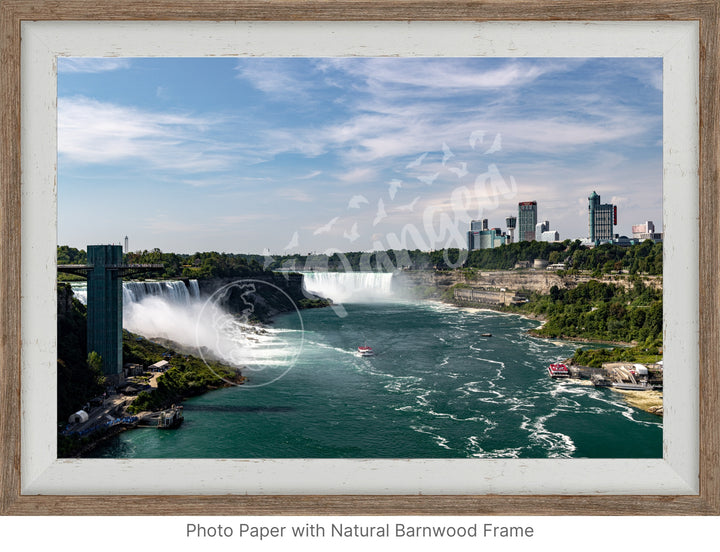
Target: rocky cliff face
[
  {"x": 512, "y": 280},
  {"x": 260, "y": 297}
]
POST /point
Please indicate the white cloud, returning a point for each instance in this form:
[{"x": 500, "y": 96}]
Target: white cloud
[
  {"x": 437, "y": 76},
  {"x": 309, "y": 176},
  {"x": 276, "y": 76},
  {"x": 90, "y": 131},
  {"x": 295, "y": 194},
  {"x": 91, "y": 65},
  {"x": 359, "y": 175}
]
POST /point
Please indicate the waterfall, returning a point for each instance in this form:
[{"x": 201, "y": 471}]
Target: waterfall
[
  {"x": 350, "y": 287},
  {"x": 176, "y": 311},
  {"x": 79, "y": 289},
  {"x": 171, "y": 291},
  {"x": 166, "y": 309}
]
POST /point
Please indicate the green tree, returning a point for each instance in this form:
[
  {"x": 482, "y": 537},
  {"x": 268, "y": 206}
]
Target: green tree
[{"x": 95, "y": 364}]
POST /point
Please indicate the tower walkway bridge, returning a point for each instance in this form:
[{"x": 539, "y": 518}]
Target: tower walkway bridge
[{"x": 104, "y": 273}]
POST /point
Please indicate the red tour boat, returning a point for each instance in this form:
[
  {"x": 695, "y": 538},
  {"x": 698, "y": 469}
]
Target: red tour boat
[
  {"x": 558, "y": 370},
  {"x": 365, "y": 351}
]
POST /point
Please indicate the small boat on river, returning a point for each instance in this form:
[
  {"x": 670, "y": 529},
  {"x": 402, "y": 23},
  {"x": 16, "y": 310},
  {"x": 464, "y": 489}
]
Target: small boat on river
[
  {"x": 558, "y": 370},
  {"x": 642, "y": 386},
  {"x": 171, "y": 418},
  {"x": 366, "y": 351}
]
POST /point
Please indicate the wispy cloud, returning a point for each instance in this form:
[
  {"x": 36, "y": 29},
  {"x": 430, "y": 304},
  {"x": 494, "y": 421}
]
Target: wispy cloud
[
  {"x": 359, "y": 175},
  {"x": 369, "y": 140},
  {"x": 94, "y": 132},
  {"x": 91, "y": 65},
  {"x": 294, "y": 194},
  {"x": 436, "y": 76},
  {"x": 310, "y": 175}
]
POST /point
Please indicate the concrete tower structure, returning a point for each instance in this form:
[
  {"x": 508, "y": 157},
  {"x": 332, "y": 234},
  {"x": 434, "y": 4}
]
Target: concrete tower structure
[
  {"x": 104, "y": 273},
  {"x": 104, "y": 308}
]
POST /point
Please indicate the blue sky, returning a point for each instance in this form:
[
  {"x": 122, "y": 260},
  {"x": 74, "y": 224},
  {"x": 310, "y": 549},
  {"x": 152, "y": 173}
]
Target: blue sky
[{"x": 298, "y": 155}]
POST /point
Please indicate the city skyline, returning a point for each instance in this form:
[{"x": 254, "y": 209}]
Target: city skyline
[{"x": 298, "y": 155}]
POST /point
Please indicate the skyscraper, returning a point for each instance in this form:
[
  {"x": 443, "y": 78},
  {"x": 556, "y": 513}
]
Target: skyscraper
[
  {"x": 541, "y": 227},
  {"x": 527, "y": 219},
  {"x": 482, "y": 237},
  {"x": 511, "y": 223},
  {"x": 601, "y": 219}
]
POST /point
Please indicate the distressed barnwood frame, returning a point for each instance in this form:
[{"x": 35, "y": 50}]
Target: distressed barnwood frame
[{"x": 13, "y": 12}]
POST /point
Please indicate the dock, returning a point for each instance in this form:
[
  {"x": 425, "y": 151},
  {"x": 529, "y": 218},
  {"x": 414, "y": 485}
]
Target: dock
[
  {"x": 622, "y": 375},
  {"x": 641, "y": 384}
]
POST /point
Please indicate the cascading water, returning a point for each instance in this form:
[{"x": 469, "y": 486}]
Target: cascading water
[
  {"x": 175, "y": 311},
  {"x": 174, "y": 292},
  {"x": 166, "y": 309},
  {"x": 350, "y": 287}
]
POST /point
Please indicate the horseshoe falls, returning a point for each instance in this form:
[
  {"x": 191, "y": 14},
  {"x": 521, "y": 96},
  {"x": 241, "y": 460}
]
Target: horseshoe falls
[
  {"x": 436, "y": 388},
  {"x": 350, "y": 287}
]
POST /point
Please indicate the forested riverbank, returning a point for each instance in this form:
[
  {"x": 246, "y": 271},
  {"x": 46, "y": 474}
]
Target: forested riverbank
[{"x": 624, "y": 308}]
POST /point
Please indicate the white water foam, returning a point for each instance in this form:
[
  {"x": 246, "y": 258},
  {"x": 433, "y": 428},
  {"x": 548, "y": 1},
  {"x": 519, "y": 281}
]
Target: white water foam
[
  {"x": 350, "y": 287},
  {"x": 557, "y": 445},
  {"x": 175, "y": 311}
]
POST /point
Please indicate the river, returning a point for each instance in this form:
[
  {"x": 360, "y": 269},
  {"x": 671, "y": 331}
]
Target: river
[{"x": 436, "y": 388}]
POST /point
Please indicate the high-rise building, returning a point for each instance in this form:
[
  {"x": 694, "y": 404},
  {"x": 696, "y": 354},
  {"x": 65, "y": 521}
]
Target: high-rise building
[
  {"x": 527, "y": 219},
  {"x": 541, "y": 227},
  {"x": 601, "y": 219},
  {"x": 478, "y": 225},
  {"x": 511, "y": 224},
  {"x": 482, "y": 237}
]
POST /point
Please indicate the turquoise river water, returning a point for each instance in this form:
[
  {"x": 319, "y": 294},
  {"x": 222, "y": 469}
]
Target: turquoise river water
[{"x": 435, "y": 389}]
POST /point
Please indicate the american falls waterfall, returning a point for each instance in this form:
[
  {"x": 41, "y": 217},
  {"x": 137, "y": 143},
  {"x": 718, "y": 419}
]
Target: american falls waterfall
[
  {"x": 167, "y": 309},
  {"x": 176, "y": 311},
  {"x": 350, "y": 287},
  {"x": 164, "y": 309},
  {"x": 171, "y": 291}
]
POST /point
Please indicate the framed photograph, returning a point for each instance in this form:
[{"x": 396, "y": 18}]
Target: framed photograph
[{"x": 643, "y": 78}]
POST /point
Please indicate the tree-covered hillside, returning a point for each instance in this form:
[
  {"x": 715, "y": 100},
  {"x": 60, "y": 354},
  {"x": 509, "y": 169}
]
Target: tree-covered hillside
[
  {"x": 596, "y": 310},
  {"x": 77, "y": 381},
  {"x": 645, "y": 257},
  {"x": 198, "y": 265}
]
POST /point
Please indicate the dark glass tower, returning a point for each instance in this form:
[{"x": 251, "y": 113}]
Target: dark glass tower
[
  {"x": 104, "y": 308},
  {"x": 527, "y": 219}
]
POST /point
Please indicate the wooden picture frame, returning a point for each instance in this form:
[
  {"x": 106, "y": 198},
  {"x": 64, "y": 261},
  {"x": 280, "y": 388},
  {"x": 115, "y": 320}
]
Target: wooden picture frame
[{"x": 14, "y": 12}]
